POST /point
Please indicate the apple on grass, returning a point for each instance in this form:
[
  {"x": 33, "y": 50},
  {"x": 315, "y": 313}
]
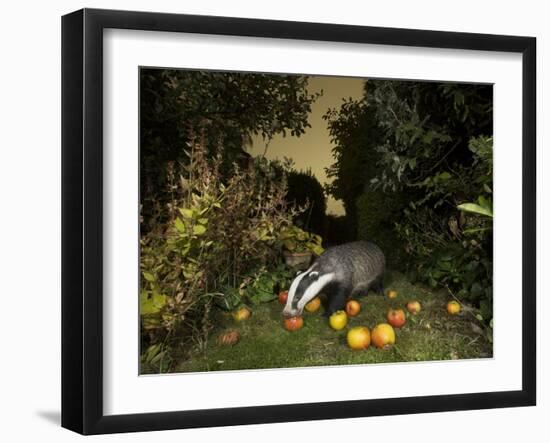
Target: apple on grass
[
  {"x": 338, "y": 320},
  {"x": 283, "y": 297},
  {"x": 293, "y": 323},
  {"x": 382, "y": 336},
  {"x": 453, "y": 307},
  {"x": 241, "y": 314},
  {"x": 358, "y": 338},
  {"x": 413, "y": 307},
  {"x": 396, "y": 317},
  {"x": 353, "y": 308}
]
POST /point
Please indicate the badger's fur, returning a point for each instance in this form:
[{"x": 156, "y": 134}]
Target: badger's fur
[{"x": 341, "y": 272}]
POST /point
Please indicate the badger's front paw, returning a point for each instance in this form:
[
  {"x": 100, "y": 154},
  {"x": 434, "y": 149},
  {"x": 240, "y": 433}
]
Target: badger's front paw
[{"x": 328, "y": 313}]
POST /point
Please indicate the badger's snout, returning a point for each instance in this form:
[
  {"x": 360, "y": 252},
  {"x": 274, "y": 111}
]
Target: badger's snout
[{"x": 289, "y": 312}]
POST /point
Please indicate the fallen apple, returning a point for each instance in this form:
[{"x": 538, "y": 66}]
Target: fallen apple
[
  {"x": 293, "y": 323},
  {"x": 453, "y": 307},
  {"x": 313, "y": 305},
  {"x": 229, "y": 337},
  {"x": 358, "y": 338},
  {"x": 396, "y": 317},
  {"x": 338, "y": 320},
  {"x": 382, "y": 336},
  {"x": 241, "y": 314},
  {"x": 392, "y": 293},
  {"x": 283, "y": 296},
  {"x": 413, "y": 307},
  {"x": 353, "y": 308}
]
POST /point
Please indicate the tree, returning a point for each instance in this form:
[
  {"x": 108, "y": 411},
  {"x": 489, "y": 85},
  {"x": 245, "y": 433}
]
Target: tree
[
  {"x": 354, "y": 133},
  {"x": 428, "y": 150},
  {"x": 304, "y": 189},
  {"x": 222, "y": 108}
]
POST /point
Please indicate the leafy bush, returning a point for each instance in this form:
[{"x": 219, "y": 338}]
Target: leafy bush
[
  {"x": 225, "y": 107},
  {"x": 455, "y": 252},
  {"x": 427, "y": 148},
  {"x": 377, "y": 213},
  {"x": 219, "y": 240},
  {"x": 295, "y": 239}
]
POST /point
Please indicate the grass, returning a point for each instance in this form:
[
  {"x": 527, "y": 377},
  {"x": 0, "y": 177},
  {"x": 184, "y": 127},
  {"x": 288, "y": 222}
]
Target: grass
[{"x": 430, "y": 335}]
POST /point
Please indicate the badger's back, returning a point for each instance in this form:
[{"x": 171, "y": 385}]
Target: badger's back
[{"x": 358, "y": 263}]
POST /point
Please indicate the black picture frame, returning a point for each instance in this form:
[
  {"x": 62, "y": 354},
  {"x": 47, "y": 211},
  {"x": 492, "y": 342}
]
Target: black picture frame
[{"x": 82, "y": 218}]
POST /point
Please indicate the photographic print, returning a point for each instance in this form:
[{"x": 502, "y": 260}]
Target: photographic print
[{"x": 298, "y": 220}]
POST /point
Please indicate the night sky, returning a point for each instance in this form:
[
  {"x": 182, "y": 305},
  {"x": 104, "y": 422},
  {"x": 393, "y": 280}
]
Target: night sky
[{"x": 313, "y": 149}]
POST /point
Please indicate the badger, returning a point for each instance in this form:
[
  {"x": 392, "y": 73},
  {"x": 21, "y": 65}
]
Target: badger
[{"x": 341, "y": 272}]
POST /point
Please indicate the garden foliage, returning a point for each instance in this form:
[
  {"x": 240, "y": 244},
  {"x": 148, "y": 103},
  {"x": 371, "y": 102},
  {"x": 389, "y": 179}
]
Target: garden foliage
[
  {"x": 219, "y": 247},
  {"x": 422, "y": 187}
]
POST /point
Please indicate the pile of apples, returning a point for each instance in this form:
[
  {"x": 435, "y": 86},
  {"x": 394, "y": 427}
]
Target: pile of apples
[{"x": 382, "y": 335}]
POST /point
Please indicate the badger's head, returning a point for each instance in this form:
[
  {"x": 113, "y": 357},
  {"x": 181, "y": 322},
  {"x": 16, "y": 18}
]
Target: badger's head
[{"x": 303, "y": 289}]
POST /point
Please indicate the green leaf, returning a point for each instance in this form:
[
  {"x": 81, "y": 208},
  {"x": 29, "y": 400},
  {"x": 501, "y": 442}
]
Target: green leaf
[
  {"x": 203, "y": 221},
  {"x": 476, "y": 209},
  {"x": 484, "y": 203},
  {"x": 180, "y": 226},
  {"x": 317, "y": 250},
  {"x": 151, "y": 305},
  {"x": 148, "y": 276},
  {"x": 187, "y": 213},
  {"x": 199, "y": 229}
]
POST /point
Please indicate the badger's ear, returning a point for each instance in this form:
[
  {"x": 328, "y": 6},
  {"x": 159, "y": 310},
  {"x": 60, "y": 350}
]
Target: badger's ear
[
  {"x": 314, "y": 274},
  {"x": 298, "y": 273}
]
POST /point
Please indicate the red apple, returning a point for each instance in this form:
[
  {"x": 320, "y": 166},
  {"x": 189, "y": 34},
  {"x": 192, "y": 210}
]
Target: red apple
[
  {"x": 353, "y": 308},
  {"x": 396, "y": 317},
  {"x": 283, "y": 296},
  {"x": 293, "y": 323}
]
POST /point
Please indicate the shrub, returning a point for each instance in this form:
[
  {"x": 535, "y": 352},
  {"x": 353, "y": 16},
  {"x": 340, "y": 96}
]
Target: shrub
[
  {"x": 377, "y": 213},
  {"x": 219, "y": 238}
]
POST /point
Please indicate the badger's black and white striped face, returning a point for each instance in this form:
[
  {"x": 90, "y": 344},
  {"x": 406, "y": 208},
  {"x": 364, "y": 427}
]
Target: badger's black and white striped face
[{"x": 303, "y": 289}]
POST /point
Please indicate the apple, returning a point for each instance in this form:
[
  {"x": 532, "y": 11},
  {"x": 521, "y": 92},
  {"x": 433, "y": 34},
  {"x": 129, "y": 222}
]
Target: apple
[
  {"x": 396, "y": 317},
  {"x": 392, "y": 293},
  {"x": 229, "y": 337},
  {"x": 313, "y": 305},
  {"x": 338, "y": 320},
  {"x": 283, "y": 296},
  {"x": 413, "y": 307},
  {"x": 358, "y": 338},
  {"x": 353, "y": 308},
  {"x": 453, "y": 307},
  {"x": 293, "y": 323},
  {"x": 241, "y": 314},
  {"x": 382, "y": 336}
]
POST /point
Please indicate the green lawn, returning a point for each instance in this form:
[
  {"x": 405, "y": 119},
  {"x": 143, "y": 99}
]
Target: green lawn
[{"x": 431, "y": 335}]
